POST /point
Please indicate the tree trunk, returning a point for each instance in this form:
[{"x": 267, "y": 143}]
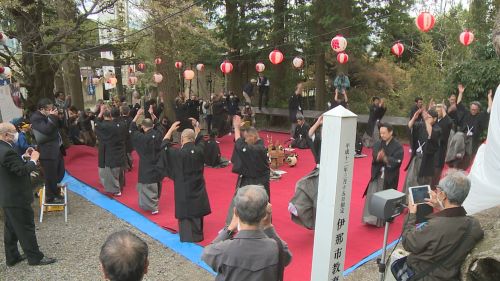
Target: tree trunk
[
  {"x": 233, "y": 39},
  {"x": 496, "y": 33},
  {"x": 319, "y": 63},
  {"x": 279, "y": 34},
  {"x": 169, "y": 86},
  {"x": 71, "y": 69}
]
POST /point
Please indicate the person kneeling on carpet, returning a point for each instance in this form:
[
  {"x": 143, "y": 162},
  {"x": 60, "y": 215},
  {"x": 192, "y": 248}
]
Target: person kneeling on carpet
[
  {"x": 124, "y": 256},
  {"x": 213, "y": 156},
  {"x": 439, "y": 247},
  {"x": 301, "y": 133},
  {"x": 256, "y": 252},
  {"x": 148, "y": 146}
]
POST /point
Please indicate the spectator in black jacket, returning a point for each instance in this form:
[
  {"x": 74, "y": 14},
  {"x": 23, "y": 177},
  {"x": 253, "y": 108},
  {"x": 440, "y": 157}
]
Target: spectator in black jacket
[{"x": 295, "y": 106}]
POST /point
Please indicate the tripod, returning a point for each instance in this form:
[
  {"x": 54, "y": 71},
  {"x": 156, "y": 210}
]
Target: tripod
[{"x": 381, "y": 262}]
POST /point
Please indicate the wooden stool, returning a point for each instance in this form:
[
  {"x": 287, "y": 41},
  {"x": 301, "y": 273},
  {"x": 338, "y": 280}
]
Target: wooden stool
[{"x": 52, "y": 207}]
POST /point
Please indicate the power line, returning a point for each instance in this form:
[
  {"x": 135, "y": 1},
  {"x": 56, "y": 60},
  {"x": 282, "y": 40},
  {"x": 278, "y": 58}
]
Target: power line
[{"x": 122, "y": 37}]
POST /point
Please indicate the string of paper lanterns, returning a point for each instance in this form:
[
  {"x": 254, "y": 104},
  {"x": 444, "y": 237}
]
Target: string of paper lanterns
[{"x": 425, "y": 21}]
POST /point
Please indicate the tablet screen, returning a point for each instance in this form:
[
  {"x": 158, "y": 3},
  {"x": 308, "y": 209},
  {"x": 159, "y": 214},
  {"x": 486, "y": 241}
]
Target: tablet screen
[{"x": 419, "y": 193}]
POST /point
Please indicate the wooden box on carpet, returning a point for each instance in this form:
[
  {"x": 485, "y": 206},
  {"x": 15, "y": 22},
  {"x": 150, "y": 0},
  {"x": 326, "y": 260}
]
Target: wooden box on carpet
[{"x": 277, "y": 158}]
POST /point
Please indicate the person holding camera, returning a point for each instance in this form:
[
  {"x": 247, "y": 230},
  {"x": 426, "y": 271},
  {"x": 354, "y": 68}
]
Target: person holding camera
[
  {"x": 44, "y": 124},
  {"x": 16, "y": 197},
  {"x": 255, "y": 252}
]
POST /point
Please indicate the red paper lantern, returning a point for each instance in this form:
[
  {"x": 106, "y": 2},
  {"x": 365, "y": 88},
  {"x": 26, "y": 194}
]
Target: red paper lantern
[
  {"x": 112, "y": 81},
  {"x": 178, "y": 64},
  {"x": 2, "y": 69},
  {"x": 7, "y": 72},
  {"x": 141, "y": 66},
  {"x": 338, "y": 43},
  {"x": 276, "y": 57},
  {"x": 398, "y": 49},
  {"x": 200, "y": 67},
  {"x": 132, "y": 80},
  {"x": 466, "y": 37},
  {"x": 259, "y": 67},
  {"x": 298, "y": 62},
  {"x": 157, "y": 77},
  {"x": 3, "y": 38},
  {"x": 226, "y": 67},
  {"x": 342, "y": 58},
  {"x": 158, "y": 60},
  {"x": 425, "y": 21},
  {"x": 188, "y": 74}
]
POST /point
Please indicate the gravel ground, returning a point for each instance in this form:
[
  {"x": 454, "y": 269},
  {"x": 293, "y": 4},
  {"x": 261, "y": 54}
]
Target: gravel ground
[{"x": 76, "y": 246}]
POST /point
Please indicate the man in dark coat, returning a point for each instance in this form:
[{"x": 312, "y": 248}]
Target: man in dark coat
[
  {"x": 112, "y": 158},
  {"x": 186, "y": 166},
  {"x": 473, "y": 124},
  {"x": 295, "y": 107},
  {"x": 16, "y": 196},
  {"x": 377, "y": 112},
  {"x": 126, "y": 119},
  {"x": 148, "y": 147},
  {"x": 387, "y": 158},
  {"x": 44, "y": 124},
  {"x": 301, "y": 133},
  {"x": 213, "y": 156},
  {"x": 445, "y": 123},
  {"x": 263, "y": 84},
  {"x": 249, "y": 160}
]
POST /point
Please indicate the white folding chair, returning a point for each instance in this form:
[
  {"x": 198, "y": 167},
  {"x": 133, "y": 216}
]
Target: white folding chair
[{"x": 44, "y": 204}]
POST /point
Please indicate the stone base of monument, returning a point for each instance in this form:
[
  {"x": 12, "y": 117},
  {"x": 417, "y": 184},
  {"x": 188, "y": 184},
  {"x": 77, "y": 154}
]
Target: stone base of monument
[{"x": 483, "y": 262}]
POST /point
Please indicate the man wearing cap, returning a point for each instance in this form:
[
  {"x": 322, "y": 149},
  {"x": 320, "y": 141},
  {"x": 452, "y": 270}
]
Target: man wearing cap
[{"x": 148, "y": 146}]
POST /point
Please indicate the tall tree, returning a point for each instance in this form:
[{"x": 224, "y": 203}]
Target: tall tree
[{"x": 34, "y": 24}]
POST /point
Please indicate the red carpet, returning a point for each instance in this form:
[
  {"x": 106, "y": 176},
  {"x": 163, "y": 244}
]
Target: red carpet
[{"x": 81, "y": 163}]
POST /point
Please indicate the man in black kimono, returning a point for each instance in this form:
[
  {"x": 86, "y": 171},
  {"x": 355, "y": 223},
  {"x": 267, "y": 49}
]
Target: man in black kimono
[
  {"x": 249, "y": 160},
  {"x": 186, "y": 168},
  {"x": 44, "y": 124},
  {"x": 445, "y": 123},
  {"x": 377, "y": 112},
  {"x": 473, "y": 124},
  {"x": 301, "y": 132},
  {"x": 425, "y": 151},
  {"x": 213, "y": 156},
  {"x": 295, "y": 107},
  {"x": 263, "y": 84},
  {"x": 127, "y": 120},
  {"x": 422, "y": 168},
  {"x": 148, "y": 147},
  {"x": 387, "y": 158},
  {"x": 111, "y": 152}
]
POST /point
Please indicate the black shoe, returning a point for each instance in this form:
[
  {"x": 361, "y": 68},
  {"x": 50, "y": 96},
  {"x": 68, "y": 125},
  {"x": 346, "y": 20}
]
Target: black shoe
[
  {"x": 56, "y": 200},
  {"x": 45, "y": 261},
  {"x": 19, "y": 259}
]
